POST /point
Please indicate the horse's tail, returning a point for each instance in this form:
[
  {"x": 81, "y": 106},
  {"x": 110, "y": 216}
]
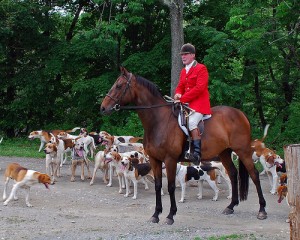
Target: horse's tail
[{"x": 244, "y": 181}]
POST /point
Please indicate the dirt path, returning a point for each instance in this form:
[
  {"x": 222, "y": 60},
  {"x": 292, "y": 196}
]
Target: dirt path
[{"x": 80, "y": 211}]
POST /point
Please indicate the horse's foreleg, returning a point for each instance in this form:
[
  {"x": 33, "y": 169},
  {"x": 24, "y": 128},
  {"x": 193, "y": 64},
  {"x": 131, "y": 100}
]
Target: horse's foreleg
[
  {"x": 157, "y": 171},
  {"x": 158, "y": 207},
  {"x": 173, "y": 208},
  {"x": 171, "y": 174}
]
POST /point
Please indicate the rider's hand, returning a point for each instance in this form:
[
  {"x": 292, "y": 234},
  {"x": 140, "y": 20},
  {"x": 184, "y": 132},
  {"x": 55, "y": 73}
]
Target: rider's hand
[{"x": 177, "y": 96}]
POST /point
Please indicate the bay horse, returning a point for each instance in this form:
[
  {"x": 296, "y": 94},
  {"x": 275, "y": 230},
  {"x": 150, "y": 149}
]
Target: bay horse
[{"x": 227, "y": 130}]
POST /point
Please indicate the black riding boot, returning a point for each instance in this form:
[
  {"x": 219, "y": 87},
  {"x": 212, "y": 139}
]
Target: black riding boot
[{"x": 196, "y": 156}]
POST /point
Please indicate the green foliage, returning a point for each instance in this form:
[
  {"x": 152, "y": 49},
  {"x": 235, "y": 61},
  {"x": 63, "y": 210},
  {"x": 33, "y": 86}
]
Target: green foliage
[
  {"x": 51, "y": 80},
  {"x": 114, "y": 124},
  {"x": 157, "y": 68}
]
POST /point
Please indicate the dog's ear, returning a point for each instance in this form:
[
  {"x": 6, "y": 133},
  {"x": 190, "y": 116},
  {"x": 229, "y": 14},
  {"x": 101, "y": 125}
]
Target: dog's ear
[
  {"x": 44, "y": 178},
  {"x": 134, "y": 161},
  {"x": 136, "y": 173},
  {"x": 77, "y": 138},
  {"x": 201, "y": 172},
  {"x": 110, "y": 138},
  {"x": 117, "y": 155},
  {"x": 270, "y": 158}
]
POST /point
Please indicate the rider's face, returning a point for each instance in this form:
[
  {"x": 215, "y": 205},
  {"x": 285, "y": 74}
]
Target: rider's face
[{"x": 187, "y": 58}]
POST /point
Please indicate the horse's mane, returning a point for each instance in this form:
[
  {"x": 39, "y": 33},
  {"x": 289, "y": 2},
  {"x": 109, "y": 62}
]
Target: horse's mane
[{"x": 154, "y": 90}]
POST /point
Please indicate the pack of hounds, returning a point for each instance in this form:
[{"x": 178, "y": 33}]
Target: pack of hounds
[{"x": 124, "y": 158}]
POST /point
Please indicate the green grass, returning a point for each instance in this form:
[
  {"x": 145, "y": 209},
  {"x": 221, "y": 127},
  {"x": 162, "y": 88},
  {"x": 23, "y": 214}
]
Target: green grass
[
  {"x": 21, "y": 147},
  {"x": 229, "y": 237}
]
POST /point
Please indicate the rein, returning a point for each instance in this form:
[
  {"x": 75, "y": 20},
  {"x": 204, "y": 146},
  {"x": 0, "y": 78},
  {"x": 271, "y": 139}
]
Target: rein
[
  {"x": 142, "y": 107},
  {"x": 118, "y": 107}
]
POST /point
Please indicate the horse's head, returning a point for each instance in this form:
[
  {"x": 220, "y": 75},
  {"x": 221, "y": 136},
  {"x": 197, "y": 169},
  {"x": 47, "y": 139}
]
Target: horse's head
[{"x": 119, "y": 94}]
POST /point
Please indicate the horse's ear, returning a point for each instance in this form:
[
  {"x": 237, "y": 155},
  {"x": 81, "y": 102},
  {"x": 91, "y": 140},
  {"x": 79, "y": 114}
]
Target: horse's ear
[{"x": 124, "y": 71}]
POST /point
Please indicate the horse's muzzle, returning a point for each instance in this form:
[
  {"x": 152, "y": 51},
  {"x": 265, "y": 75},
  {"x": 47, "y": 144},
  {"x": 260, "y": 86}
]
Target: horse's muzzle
[{"x": 105, "y": 111}]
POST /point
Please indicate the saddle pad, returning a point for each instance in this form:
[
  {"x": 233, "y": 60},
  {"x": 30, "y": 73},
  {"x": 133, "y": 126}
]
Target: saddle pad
[{"x": 200, "y": 125}]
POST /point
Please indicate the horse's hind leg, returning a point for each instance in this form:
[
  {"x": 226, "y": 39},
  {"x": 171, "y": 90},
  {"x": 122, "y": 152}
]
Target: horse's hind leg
[
  {"x": 246, "y": 166},
  {"x": 156, "y": 166},
  {"x": 232, "y": 172}
]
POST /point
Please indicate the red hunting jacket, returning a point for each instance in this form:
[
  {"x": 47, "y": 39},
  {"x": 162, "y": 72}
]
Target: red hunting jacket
[{"x": 194, "y": 88}]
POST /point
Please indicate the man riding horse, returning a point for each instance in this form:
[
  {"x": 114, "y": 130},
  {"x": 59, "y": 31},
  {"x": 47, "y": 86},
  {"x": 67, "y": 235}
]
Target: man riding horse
[{"x": 193, "y": 89}]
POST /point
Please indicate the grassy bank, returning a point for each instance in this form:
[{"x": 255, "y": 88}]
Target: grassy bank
[{"x": 21, "y": 147}]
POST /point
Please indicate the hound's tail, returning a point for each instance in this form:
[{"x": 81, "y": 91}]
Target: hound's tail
[
  {"x": 73, "y": 130},
  {"x": 265, "y": 132},
  {"x": 135, "y": 139}
]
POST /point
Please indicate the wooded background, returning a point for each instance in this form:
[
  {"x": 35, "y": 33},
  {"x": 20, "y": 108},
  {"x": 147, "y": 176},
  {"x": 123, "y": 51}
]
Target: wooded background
[{"x": 59, "y": 58}]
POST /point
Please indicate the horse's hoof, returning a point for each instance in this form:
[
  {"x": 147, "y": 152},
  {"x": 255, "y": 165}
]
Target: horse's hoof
[
  {"x": 154, "y": 220},
  {"x": 169, "y": 221},
  {"x": 228, "y": 211},
  {"x": 262, "y": 215}
]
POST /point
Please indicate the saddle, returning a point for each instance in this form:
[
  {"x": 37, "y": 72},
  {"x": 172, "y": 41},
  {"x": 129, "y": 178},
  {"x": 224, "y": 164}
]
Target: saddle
[{"x": 183, "y": 112}]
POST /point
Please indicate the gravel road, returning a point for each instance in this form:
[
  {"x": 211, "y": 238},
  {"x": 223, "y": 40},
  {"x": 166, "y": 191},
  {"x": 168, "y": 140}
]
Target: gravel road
[{"x": 76, "y": 210}]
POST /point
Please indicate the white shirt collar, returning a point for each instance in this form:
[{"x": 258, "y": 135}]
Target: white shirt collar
[{"x": 188, "y": 67}]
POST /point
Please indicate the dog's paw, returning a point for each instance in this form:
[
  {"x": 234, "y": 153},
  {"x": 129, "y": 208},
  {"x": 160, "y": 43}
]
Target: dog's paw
[
  {"x": 120, "y": 191},
  {"x": 181, "y": 200},
  {"x": 72, "y": 179},
  {"x": 229, "y": 197},
  {"x": 109, "y": 185},
  {"x": 134, "y": 197},
  {"x": 199, "y": 197},
  {"x": 91, "y": 183},
  {"x": 215, "y": 199},
  {"x": 5, "y": 203},
  {"x": 126, "y": 195},
  {"x": 16, "y": 198},
  {"x": 29, "y": 205}
]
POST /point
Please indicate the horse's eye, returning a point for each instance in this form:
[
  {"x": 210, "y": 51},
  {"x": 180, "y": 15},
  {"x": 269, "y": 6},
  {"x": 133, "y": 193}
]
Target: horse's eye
[{"x": 119, "y": 86}]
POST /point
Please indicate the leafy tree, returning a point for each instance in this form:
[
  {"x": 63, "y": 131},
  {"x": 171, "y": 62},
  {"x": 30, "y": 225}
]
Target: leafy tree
[{"x": 59, "y": 59}]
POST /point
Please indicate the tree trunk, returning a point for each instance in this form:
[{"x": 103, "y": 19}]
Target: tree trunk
[
  {"x": 291, "y": 156},
  {"x": 258, "y": 98},
  {"x": 74, "y": 22},
  {"x": 177, "y": 38}
]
